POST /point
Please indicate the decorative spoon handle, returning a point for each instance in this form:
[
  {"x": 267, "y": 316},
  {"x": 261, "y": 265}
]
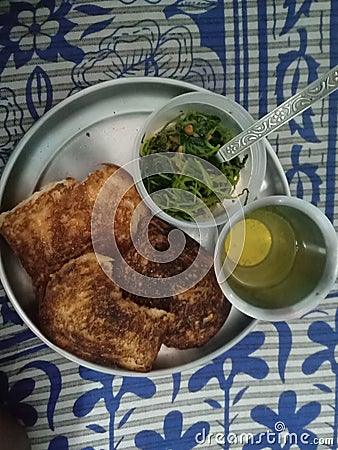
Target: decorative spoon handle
[{"x": 280, "y": 115}]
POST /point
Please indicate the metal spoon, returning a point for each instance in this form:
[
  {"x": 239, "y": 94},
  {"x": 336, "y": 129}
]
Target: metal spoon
[{"x": 295, "y": 105}]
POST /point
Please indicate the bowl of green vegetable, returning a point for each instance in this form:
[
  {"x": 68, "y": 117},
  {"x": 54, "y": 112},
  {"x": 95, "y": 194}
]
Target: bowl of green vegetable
[{"x": 178, "y": 173}]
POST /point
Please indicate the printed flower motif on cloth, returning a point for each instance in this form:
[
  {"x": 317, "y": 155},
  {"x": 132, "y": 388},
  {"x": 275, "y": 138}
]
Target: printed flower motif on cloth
[
  {"x": 301, "y": 173},
  {"x": 11, "y": 118},
  {"x": 258, "y": 53},
  {"x": 322, "y": 333},
  {"x": 12, "y": 399},
  {"x": 39, "y": 29},
  {"x": 141, "y": 387},
  {"x": 174, "y": 437},
  {"x": 156, "y": 51},
  {"x": 30, "y": 35},
  {"x": 287, "y": 427},
  {"x": 224, "y": 368}
]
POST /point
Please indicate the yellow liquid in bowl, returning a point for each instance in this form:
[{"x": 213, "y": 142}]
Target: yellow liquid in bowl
[
  {"x": 279, "y": 257},
  {"x": 249, "y": 242},
  {"x": 268, "y": 250}
]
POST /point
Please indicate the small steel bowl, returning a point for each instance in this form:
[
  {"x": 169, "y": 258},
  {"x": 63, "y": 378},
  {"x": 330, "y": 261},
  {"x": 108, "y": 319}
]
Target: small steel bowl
[
  {"x": 234, "y": 117},
  {"x": 312, "y": 270}
]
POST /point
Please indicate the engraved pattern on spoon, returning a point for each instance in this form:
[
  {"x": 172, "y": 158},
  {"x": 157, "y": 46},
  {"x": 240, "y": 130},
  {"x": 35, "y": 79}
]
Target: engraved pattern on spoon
[{"x": 281, "y": 115}]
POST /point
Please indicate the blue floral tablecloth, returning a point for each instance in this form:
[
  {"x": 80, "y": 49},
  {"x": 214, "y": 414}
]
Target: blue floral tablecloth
[{"x": 278, "y": 387}]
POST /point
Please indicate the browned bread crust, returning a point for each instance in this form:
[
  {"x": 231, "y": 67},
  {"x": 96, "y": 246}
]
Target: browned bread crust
[
  {"x": 199, "y": 314},
  {"x": 54, "y": 224},
  {"x": 200, "y": 311},
  {"x": 81, "y": 309},
  {"x": 83, "y": 312},
  {"x": 34, "y": 231},
  {"x": 120, "y": 204}
]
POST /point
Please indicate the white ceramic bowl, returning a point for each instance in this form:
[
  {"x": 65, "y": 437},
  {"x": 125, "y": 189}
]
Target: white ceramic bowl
[
  {"x": 234, "y": 117},
  {"x": 312, "y": 272}
]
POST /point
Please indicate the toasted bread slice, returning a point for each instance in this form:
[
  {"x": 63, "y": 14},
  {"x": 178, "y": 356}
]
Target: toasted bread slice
[
  {"x": 199, "y": 314},
  {"x": 31, "y": 229},
  {"x": 200, "y": 311},
  {"x": 54, "y": 225},
  {"x": 84, "y": 313},
  {"x": 117, "y": 214}
]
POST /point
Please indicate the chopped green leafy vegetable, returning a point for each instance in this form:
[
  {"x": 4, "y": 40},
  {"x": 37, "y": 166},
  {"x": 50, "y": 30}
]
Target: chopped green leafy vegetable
[{"x": 199, "y": 135}]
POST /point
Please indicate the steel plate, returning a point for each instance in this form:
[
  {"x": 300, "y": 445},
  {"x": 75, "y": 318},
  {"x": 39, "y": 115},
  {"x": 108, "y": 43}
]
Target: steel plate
[{"x": 98, "y": 125}]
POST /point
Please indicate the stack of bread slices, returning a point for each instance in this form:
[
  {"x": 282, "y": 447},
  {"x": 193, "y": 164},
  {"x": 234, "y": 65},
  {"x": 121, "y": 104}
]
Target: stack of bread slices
[{"x": 82, "y": 309}]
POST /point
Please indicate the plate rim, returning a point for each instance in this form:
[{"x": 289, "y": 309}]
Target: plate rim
[{"x": 73, "y": 98}]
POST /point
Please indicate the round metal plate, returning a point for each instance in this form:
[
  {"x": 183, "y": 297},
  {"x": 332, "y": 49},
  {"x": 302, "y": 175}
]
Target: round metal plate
[{"x": 99, "y": 125}]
